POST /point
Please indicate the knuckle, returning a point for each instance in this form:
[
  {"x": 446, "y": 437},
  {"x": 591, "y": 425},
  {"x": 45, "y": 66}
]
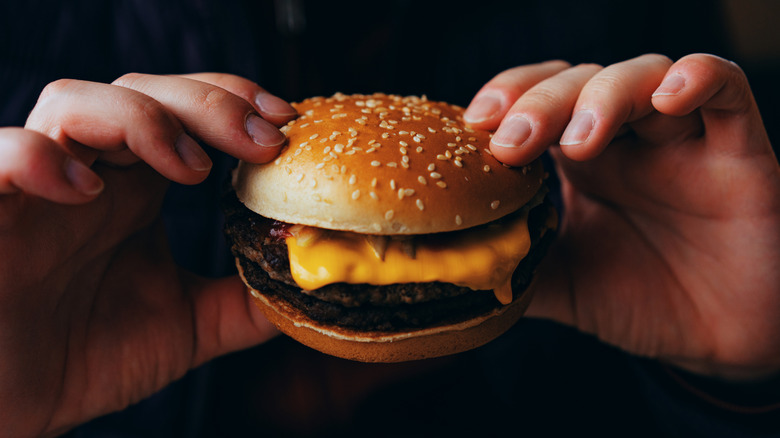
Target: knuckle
[
  {"x": 128, "y": 80},
  {"x": 56, "y": 88},
  {"x": 212, "y": 99},
  {"x": 656, "y": 58},
  {"x": 546, "y": 96}
]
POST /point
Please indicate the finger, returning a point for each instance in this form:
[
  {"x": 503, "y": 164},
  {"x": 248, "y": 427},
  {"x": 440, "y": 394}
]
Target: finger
[
  {"x": 108, "y": 120},
  {"x": 492, "y": 102},
  {"x": 226, "y": 319},
  {"x": 33, "y": 163},
  {"x": 718, "y": 87},
  {"x": 617, "y": 95},
  {"x": 270, "y": 107},
  {"x": 538, "y": 117},
  {"x": 216, "y": 116}
]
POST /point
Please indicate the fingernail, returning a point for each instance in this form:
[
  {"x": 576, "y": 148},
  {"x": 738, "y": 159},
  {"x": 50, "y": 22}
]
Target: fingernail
[
  {"x": 191, "y": 153},
  {"x": 483, "y": 108},
  {"x": 270, "y": 104},
  {"x": 672, "y": 85},
  {"x": 513, "y": 132},
  {"x": 262, "y": 132},
  {"x": 82, "y": 178},
  {"x": 579, "y": 128}
]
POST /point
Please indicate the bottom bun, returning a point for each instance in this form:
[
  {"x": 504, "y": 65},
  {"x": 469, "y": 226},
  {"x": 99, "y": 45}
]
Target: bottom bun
[{"x": 384, "y": 346}]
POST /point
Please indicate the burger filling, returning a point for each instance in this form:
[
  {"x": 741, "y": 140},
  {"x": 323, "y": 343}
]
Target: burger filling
[{"x": 261, "y": 247}]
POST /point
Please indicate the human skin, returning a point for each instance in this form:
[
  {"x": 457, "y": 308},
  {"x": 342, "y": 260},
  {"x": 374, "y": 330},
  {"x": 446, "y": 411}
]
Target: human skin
[
  {"x": 669, "y": 243},
  {"x": 94, "y": 313},
  {"x": 667, "y": 247}
]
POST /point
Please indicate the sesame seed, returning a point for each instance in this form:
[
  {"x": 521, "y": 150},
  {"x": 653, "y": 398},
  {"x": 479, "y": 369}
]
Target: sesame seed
[
  {"x": 417, "y": 139},
  {"x": 376, "y": 163},
  {"x": 343, "y": 169},
  {"x": 420, "y": 204},
  {"x": 403, "y": 132},
  {"x": 458, "y": 139},
  {"x": 338, "y": 148},
  {"x": 403, "y": 143},
  {"x": 313, "y": 136},
  {"x": 352, "y": 179},
  {"x": 371, "y": 142},
  {"x": 431, "y": 130},
  {"x": 403, "y": 150},
  {"x": 458, "y": 163},
  {"x": 377, "y": 227},
  {"x": 422, "y": 180},
  {"x": 419, "y": 149},
  {"x": 405, "y": 159},
  {"x": 278, "y": 161},
  {"x": 385, "y": 135},
  {"x": 448, "y": 154},
  {"x": 441, "y": 157},
  {"x": 299, "y": 177},
  {"x": 431, "y": 167},
  {"x": 373, "y": 182},
  {"x": 486, "y": 168},
  {"x": 369, "y": 150},
  {"x": 408, "y": 192},
  {"x": 313, "y": 183},
  {"x": 435, "y": 175},
  {"x": 441, "y": 184},
  {"x": 458, "y": 220},
  {"x": 392, "y": 164},
  {"x": 405, "y": 165},
  {"x": 494, "y": 205},
  {"x": 319, "y": 166},
  {"x": 392, "y": 184},
  {"x": 303, "y": 145},
  {"x": 373, "y": 196},
  {"x": 452, "y": 145},
  {"x": 323, "y": 140},
  {"x": 400, "y": 193},
  {"x": 472, "y": 147},
  {"x": 487, "y": 151},
  {"x": 356, "y": 194},
  {"x": 389, "y": 215}
]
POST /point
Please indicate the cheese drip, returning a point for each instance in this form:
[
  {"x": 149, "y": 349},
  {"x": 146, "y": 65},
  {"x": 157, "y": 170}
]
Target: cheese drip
[{"x": 480, "y": 259}]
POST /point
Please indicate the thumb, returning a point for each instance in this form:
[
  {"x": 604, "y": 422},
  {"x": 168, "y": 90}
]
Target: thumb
[{"x": 226, "y": 318}]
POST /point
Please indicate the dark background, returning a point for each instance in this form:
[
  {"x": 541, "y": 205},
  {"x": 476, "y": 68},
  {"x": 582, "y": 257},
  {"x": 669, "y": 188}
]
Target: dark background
[{"x": 538, "y": 379}]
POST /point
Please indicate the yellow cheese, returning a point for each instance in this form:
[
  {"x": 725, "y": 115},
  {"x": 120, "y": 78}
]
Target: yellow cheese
[{"x": 481, "y": 259}]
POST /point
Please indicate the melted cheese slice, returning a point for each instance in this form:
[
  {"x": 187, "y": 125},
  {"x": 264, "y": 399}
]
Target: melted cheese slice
[{"x": 481, "y": 259}]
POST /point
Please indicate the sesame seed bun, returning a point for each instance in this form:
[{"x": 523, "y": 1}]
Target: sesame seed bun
[
  {"x": 431, "y": 241},
  {"x": 382, "y": 164}
]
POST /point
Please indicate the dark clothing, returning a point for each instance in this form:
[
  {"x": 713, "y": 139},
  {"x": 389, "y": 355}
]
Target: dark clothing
[{"x": 538, "y": 379}]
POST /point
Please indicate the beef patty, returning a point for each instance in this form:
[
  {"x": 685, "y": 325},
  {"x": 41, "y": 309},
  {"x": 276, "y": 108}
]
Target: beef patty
[{"x": 259, "y": 245}]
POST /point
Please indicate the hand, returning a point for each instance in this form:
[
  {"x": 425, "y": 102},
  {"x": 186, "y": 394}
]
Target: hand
[
  {"x": 94, "y": 313},
  {"x": 669, "y": 242}
]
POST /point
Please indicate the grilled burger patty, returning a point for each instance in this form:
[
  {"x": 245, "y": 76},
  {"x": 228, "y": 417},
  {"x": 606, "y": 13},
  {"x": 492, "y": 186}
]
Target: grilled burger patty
[{"x": 259, "y": 244}]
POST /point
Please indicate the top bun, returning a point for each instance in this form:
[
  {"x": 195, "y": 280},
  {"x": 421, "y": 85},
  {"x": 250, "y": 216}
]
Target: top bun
[{"x": 384, "y": 164}]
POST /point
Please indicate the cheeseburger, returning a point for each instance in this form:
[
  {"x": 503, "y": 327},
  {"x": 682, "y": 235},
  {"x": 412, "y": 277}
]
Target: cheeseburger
[{"x": 385, "y": 231}]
